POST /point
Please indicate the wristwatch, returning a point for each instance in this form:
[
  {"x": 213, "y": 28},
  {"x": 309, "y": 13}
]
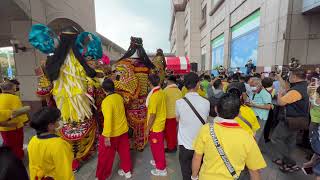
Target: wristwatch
[{"x": 195, "y": 178}]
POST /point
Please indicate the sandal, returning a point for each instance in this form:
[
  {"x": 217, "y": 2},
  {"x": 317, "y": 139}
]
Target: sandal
[
  {"x": 289, "y": 168},
  {"x": 278, "y": 162}
]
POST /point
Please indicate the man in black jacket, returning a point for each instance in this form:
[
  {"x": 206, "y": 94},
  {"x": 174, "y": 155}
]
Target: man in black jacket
[{"x": 296, "y": 102}]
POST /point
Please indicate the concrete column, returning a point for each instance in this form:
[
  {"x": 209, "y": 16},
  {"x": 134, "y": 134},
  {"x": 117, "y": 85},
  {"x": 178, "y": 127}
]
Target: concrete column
[
  {"x": 227, "y": 42},
  {"x": 25, "y": 61}
]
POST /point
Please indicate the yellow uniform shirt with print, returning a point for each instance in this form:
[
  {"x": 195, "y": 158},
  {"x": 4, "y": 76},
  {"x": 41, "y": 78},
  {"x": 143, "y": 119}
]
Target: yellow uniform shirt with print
[
  {"x": 199, "y": 91},
  {"x": 172, "y": 95},
  {"x": 5, "y": 115},
  {"x": 114, "y": 114},
  {"x": 50, "y": 157},
  {"x": 247, "y": 113},
  {"x": 157, "y": 106},
  {"x": 9, "y": 102},
  {"x": 240, "y": 148}
]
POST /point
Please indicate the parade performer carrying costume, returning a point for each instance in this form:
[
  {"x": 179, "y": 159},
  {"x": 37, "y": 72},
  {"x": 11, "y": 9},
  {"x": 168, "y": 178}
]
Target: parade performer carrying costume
[
  {"x": 70, "y": 75},
  {"x": 131, "y": 81}
]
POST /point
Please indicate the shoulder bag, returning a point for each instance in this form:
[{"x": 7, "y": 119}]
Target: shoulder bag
[
  {"x": 194, "y": 110},
  {"x": 222, "y": 154}
]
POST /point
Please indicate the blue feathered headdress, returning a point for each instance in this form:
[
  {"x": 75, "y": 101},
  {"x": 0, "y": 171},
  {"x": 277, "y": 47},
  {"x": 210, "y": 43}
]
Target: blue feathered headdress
[
  {"x": 42, "y": 38},
  {"x": 89, "y": 45}
]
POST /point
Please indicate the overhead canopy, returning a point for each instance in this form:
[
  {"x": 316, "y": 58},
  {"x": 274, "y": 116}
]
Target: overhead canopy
[{"x": 179, "y": 65}]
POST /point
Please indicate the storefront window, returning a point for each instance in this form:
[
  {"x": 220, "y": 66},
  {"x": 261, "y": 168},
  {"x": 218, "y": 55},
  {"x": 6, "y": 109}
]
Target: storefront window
[
  {"x": 245, "y": 39},
  {"x": 7, "y": 65},
  {"x": 217, "y": 53}
]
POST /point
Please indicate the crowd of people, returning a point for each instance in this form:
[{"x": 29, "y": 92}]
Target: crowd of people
[{"x": 218, "y": 125}]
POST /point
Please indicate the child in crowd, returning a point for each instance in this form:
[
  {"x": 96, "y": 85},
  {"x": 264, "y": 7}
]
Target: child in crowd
[
  {"x": 50, "y": 157},
  {"x": 114, "y": 136},
  {"x": 156, "y": 104},
  {"x": 12, "y": 133}
]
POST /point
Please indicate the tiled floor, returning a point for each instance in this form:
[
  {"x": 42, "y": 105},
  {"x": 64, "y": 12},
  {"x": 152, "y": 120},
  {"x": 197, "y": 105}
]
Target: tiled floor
[{"x": 142, "y": 167}]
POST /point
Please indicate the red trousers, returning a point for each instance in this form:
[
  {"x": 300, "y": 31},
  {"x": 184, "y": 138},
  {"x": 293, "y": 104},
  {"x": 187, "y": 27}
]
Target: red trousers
[
  {"x": 14, "y": 140},
  {"x": 157, "y": 148},
  {"x": 171, "y": 133},
  {"x": 106, "y": 155}
]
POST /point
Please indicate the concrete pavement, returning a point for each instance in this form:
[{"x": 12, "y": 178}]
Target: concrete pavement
[{"x": 142, "y": 167}]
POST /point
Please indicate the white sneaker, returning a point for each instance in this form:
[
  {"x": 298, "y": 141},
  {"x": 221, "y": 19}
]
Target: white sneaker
[
  {"x": 126, "y": 175},
  {"x": 157, "y": 172},
  {"x": 153, "y": 163}
]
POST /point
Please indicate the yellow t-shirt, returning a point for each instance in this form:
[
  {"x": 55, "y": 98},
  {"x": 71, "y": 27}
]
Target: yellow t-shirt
[
  {"x": 172, "y": 95},
  {"x": 115, "y": 120},
  {"x": 50, "y": 157},
  {"x": 225, "y": 86},
  {"x": 5, "y": 115},
  {"x": 247, "y": 113},
  {"x": 200, "y": 92},
  {"x": 9, "y": 102},
  {"x": 157, "y": 106},
  {"x": 240, "y": 148}
]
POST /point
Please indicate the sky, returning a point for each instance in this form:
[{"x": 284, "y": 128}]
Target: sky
[{"x": 118, "y": 20}]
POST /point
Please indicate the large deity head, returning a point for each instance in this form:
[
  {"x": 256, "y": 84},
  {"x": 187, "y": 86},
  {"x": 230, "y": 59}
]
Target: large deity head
[{"x": 67, "y": 43}]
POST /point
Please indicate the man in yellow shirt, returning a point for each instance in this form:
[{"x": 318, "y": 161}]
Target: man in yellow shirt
[
  {"x": 157, "y": 114},
  {"x": 240, "y": 148},
  {"x": 12, "y": 134},
  {"x": 173, "y": 93},
  {"x": 114, "y": 136},
  {"x": 50, "y": 156}
]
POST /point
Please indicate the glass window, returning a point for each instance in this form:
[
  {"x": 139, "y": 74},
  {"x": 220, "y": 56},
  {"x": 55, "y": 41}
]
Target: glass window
[{"x": 7, "y": 64}]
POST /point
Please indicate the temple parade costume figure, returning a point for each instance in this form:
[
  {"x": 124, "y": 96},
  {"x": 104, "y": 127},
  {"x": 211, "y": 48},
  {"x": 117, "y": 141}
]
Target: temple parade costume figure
[
  {"x": 131, "y": 81},
  {"x": 68, "y": 78},
  {"x": 160, "y": 63}
]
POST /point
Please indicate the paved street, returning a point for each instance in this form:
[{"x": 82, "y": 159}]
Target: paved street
[{"x": 142, "y": 167}]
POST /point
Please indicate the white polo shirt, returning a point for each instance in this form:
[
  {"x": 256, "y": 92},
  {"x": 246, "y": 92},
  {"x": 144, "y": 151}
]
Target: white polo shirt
[{"x": 189, "y": 123}]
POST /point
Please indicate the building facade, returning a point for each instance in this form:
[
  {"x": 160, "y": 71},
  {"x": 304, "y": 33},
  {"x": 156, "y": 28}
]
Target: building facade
[
  {"x": 17, "y": 17},
  {"x": 231, "y": 32}
]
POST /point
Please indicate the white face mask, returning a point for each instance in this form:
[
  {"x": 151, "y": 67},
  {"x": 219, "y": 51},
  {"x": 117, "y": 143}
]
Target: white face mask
[{"x": 253, "y": 88}]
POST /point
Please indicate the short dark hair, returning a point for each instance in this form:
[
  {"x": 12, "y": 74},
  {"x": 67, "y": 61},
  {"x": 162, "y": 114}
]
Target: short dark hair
[
  {"x": 45, "y": 116},
  {"x": 247, "y": 78},
  {"x": 299, "y": 73},
  {"x": 267, "y": 82},
  {"x": 108, "y": 85},
  {"x": 257, "y": 75},
  {"x": 207, "y": 77},
  {"x": 154, "y": 79},
  {"x": 7, "y": 86},
  {"x": 236, "y": 88},
  {"x": 228, "y": 106},
  {"x": 242, "y": 78},
  {"x": 191, "y": 80},
  {"x": 235, "y": 77},
  {"x": 318, "y": 90},
  {"x": 172, "y": 78},
  {"x": 214, "y": 101},
  {"x": 217, "y": 83}
]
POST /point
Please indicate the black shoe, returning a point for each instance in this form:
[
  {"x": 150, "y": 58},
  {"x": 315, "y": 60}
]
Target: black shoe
[{"x": 170, "y": 150}]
